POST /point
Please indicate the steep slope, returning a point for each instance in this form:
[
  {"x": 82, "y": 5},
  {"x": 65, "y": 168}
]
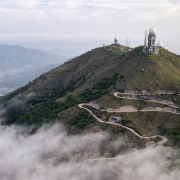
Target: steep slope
[{"x": 94, "y": 76}]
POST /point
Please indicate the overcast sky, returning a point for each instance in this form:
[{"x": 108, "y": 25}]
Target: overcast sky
[{"x": 80, "y": 25}]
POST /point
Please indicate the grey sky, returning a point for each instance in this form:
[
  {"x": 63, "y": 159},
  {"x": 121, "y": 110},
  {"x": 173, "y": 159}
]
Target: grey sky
[{"x": 86, "y": 24}]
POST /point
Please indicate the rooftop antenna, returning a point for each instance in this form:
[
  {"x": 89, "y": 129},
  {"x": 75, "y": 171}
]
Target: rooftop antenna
[{"x": 129, "y": 42}]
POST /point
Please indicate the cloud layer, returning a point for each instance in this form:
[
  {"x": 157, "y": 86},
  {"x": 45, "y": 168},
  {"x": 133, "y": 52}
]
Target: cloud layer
[{"x": 51, "y": 154}]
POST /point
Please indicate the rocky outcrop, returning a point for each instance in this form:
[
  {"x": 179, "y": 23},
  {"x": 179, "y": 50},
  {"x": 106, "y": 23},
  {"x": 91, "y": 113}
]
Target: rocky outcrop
[
  {"x": 115, "y": 119},
  {"x": 129, "y": 108}
]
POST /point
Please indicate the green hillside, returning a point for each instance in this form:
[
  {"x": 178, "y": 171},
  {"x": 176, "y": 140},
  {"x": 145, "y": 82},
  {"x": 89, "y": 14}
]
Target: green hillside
[{"x": 95, "y": 76}]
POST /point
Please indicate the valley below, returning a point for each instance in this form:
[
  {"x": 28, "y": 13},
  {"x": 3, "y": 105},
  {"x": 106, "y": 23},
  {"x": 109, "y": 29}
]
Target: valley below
[
  {"x": 8, "y": 79},
  {"x": 20, "y": 65}
]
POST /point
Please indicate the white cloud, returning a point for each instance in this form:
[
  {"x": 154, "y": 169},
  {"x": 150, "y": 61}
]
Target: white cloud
[{"x": 50, "y": 154}]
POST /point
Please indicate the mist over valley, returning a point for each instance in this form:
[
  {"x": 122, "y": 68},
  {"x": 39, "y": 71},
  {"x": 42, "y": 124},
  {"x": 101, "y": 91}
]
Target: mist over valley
[
  {"x": 89, "y": 90},
  {"x": 52, "y": 154}
]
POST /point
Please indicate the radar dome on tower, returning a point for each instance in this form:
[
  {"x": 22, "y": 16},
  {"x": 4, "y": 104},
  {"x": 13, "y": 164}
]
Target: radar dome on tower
[
  {"x": 151, "y": 48},
  {"x": 152, "y": 30},
  {"x": 116, "y": 43},
  {"x": 116, "y": 39}
]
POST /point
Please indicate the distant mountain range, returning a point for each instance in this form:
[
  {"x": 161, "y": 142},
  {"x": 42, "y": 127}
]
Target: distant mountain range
[
  {"x": 16, "y": 57},
  {"x": 19, "y": 65}
]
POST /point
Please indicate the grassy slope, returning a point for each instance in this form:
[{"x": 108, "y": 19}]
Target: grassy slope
[
  {"x": 101, "y": 63},
  {"x": 84, "y": 72},
  {"x": 147, "y": 123},
  {"x": 161, "y": 72}
]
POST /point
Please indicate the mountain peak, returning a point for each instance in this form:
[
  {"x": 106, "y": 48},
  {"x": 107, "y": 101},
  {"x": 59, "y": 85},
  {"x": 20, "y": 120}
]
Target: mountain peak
[{"x": 93, "y": 76}]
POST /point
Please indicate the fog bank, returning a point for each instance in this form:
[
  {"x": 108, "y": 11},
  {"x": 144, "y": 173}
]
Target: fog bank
[{"x": 50, "y": 154}]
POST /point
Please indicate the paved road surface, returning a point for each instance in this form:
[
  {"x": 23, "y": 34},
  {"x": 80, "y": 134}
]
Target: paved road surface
[{"x": 164, "y": 139}]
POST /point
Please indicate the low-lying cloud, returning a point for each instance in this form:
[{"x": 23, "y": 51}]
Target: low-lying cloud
[{"x": 50, "y": 154}]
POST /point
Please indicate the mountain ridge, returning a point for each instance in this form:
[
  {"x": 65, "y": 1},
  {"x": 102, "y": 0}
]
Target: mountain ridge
[
  {"x": 16, "y": 57},
  {"x": 95, "y": 76}
]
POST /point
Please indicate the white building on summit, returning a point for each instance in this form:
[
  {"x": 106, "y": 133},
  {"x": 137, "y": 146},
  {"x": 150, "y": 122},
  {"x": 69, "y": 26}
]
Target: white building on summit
[
  {"x": 152, "y": 38},
  {"x": 150, "y": 48},
  {"x": 116, "y": 40},
  {"x": 160, "y": 45}
]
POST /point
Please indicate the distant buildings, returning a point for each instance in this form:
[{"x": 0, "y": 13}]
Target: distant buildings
[
  {"x": 160, "y": 45},
  {"x": 123, "y": 48},
  {"x": 149, "y": 43},
  {"x": 115, "y": 42}
]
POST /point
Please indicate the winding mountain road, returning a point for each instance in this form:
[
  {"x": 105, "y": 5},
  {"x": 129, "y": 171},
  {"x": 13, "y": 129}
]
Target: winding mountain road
[
  {"x": 171, "y": 104},
  {"x": 164, "y": 139}
]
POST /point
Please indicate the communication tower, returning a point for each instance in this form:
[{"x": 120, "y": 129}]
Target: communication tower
[
  {"x": 151, "y": 38},
  {"x": 151, "y": 48},
  {"x": 145, "y": 39},
  {"x": 129, "y": 42}
]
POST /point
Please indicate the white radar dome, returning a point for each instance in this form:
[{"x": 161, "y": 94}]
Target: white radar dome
[
  {"x": 152, "y": 30},
  {"x": 160, "y": 44},
  {"x": 116, "y": 38}
]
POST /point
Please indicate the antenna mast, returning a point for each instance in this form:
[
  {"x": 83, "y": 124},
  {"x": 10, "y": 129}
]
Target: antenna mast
[{"x": 145, "y": 39}]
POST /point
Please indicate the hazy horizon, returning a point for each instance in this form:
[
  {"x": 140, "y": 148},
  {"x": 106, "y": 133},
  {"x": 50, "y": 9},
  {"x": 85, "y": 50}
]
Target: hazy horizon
[{"x": 82, "y": 25}]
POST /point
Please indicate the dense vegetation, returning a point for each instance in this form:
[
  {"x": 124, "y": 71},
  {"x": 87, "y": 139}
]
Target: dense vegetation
[
  {"x": 80, "y": 122},
  {"x": 100, "y": 89},
  {"x": 45, "y": 109},
  {"x": 173, "y": 134}
]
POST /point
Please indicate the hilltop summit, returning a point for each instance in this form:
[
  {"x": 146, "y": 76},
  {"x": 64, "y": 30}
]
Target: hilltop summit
[{"x": 97, "y": 74}]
